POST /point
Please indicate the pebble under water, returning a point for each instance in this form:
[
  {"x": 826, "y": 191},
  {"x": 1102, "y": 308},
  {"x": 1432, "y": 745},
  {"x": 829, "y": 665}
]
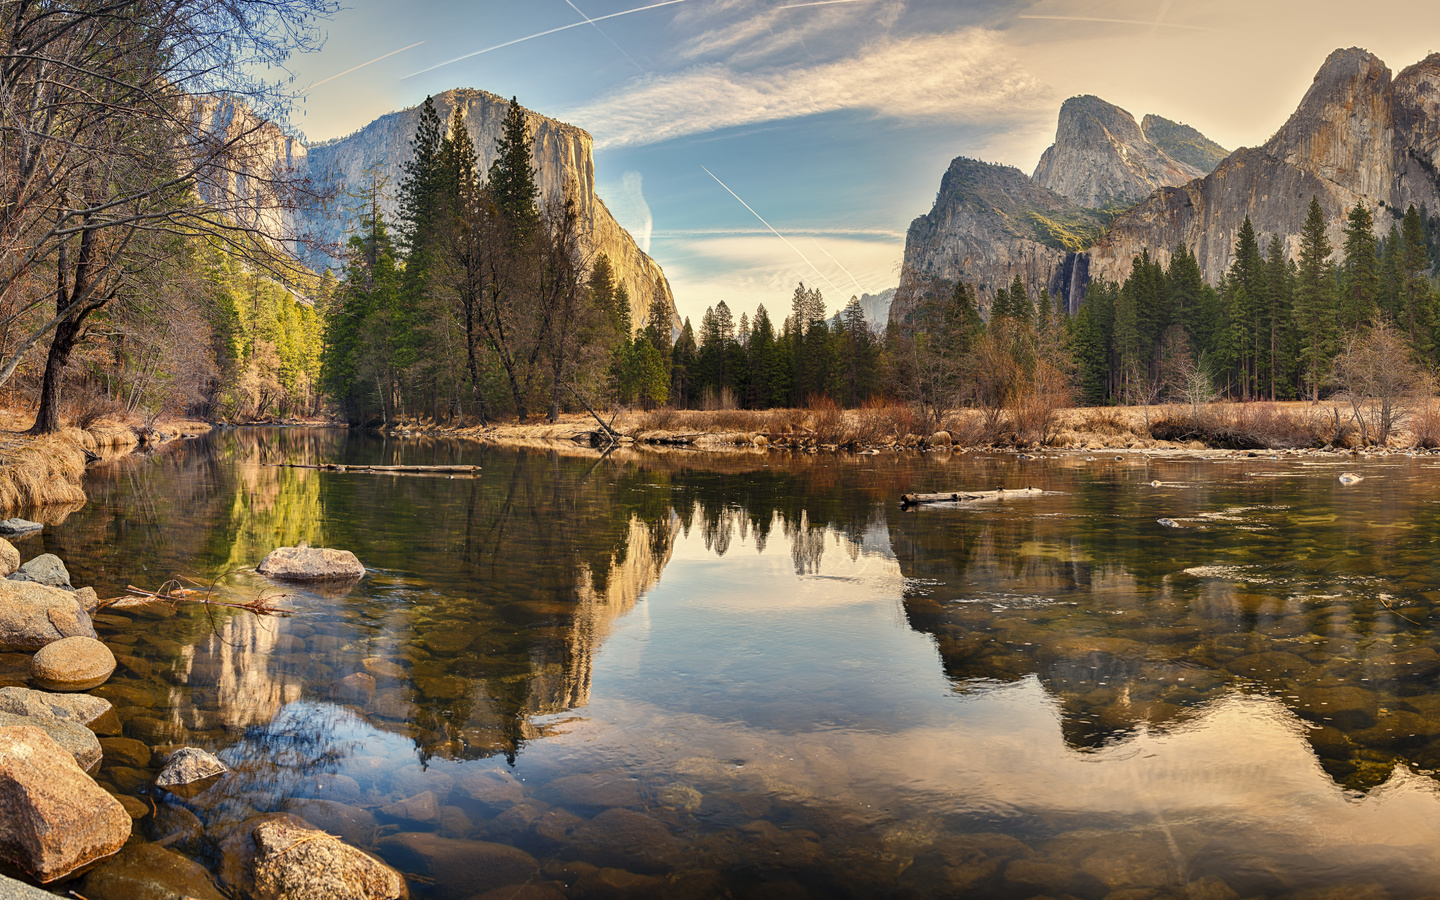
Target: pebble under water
[{"x": 752, "y": 675}]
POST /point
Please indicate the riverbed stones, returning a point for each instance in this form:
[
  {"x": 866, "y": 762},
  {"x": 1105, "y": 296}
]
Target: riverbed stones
[
  {"x": 292, "y": 862},
  {"x": 53, "y": 818},
  {"x": 459, "y": 869},
  {"x": 145, "y": 871},
  {"x": 81, "y": 709},
  {"x": 311, "y": 564},
  {"x": 189, "y": 768},
  {"x": 16, "y": 527},
  {"x": 352, "y": 824},
  {"x": 47, "y": 569},
  {"x": 34, "y": 615},
  {"x": 423, "y": 809},
  {"x": 9, "y": 559},
  {"x": 76, "y": 663},
  {"x": 77, "y": 740}
]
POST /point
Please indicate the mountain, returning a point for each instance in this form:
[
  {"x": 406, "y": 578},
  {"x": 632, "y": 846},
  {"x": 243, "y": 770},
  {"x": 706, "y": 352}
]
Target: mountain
[
  {"x": 877, "y": 307},
  {"x": 564, "y": 160},
  {"x": 989, "y": 224},
  {"x": 1102, "y": 158},
  {"x": 1358, "y": 136}
]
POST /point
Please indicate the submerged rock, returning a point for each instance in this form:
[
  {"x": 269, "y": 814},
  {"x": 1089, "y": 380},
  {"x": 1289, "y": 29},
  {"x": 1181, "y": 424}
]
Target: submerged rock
[
  {"x": 11, "y": 527},
  {"x": 81, "y": 709},
  {"x": 459, "y": 869},
  {"x": 47, "y": 569},
  {"x": 311, "y": 564},
  {"x": 149, "y": 872},
  {"x": 72, "y": 664},
  {"x": 34, "y": 615},
  {"x": 53, "y": 818}
]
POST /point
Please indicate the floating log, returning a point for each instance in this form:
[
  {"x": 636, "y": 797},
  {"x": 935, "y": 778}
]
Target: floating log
[
  {"x": 909, "y": 500},
  {"x": 335, "y": 467}
]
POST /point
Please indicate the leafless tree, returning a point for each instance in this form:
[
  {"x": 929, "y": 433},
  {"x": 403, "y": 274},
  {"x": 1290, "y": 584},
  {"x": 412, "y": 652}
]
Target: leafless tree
[
  {"x": 1378, "y": 378},
  {"x": 124, "y": 124}
]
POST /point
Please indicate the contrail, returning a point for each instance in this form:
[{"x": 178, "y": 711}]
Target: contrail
[
  {"x": 821, "y": 3},
  {"x": 628, "y": 12},
  {"x": 1119, "y": 22},
  {"x": 607, "y": 37},
  {"x": 361, "y": 66},
  {"x": 773, "y": 231},
  {"x": 842, "y": 268}
]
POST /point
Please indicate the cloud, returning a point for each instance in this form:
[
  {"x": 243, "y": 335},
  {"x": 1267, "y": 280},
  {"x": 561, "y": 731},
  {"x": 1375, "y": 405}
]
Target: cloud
[
  {"x": 627, "y": 204},
  {"x": 964, "y": 76}
]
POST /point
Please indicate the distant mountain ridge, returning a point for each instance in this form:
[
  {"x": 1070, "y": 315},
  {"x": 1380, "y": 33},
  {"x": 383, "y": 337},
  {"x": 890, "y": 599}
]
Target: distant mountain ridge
[{"x": 1359, "y": 135}]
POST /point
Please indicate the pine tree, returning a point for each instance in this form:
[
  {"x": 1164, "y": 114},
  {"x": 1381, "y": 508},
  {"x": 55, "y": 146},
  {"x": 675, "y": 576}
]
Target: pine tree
[
  {"x": 512, "y": 176},
  {"x": 1418, "y": 319},
  {"x": 1021, "y": 309},
  {"x": 418, "y": 188},
  {"x": 1279, "y": 292},
  {"x": 1250, "y": 326},
  {"x": 1315, "y": 300},
  {"x": 1360, "y": 279}
]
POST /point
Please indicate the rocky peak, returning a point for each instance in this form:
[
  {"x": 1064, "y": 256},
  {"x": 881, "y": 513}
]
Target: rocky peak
[
  {"x": 1182, "y": 143},
  {"x": 1102, "y": 158},
  {"x": 1343, "y": 130}
]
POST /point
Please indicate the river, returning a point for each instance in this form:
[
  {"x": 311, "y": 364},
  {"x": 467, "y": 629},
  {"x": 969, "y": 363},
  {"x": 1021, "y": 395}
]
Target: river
[{"x": 685, "y": 675}]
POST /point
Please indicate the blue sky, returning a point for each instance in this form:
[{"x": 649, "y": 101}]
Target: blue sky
[{"x": 833, "y": 120}]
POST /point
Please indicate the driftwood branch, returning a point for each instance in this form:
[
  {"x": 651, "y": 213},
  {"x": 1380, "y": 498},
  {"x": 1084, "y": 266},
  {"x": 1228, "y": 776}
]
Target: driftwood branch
[{"x": 909, "y": 500}]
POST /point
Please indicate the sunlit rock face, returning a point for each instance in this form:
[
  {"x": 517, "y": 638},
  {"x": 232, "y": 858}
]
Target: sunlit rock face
[
  {"x": 564, "y": 163},
  {"x": 1357, "y": 137},
  {"x": 1102, "y": 158}
]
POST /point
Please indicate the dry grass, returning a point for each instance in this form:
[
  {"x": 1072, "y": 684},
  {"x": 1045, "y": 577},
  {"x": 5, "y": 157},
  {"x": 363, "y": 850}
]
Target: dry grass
[{"x": 40, "y": 472}]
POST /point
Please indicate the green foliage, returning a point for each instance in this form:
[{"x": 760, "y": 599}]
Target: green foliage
[{"x": 1074, "y": 233}]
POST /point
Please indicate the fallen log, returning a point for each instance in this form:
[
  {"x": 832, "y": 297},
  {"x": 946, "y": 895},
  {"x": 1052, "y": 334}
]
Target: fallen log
[
  {"x": 336, "y": 467},
  {"x": 909, "y": 500}
]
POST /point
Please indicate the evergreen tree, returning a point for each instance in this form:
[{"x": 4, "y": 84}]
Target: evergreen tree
[
  {"x": 419, "y": 188},
  {"x": 1418, "y": 318},
  {"x": 1315, "y": 300},
  {"x": 1360, "y": 280},
  {"x": 512, "y": 182},
  {"x": 1020, "y": 309},
  {"x": 684, "y": 362},
  {"x": 1249, "y": 324},
  {"x": 1280, "y": 291}
]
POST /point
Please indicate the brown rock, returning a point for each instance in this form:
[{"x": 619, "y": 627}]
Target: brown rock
[
  {"x": 149, "y": 872},
  {"x": 458, "y": 868},
  {"x": 294, "y": 863},
  {"x": 9, "y": 559},
  {"x": 53, "y": 818},
  {"x": 72, "y": 664},
  {"x": 33, "y": 615},
  {"x": 125, "y": 751},
  {"x": 189, "y": 767},
  {"x": 77, "y": 740},
  {"x": 352, "y": 825},
  {"x": 311, "y": 564},
  {"x": 81, "y": 709},
  {"x": 237, "y": 851},
  {"x": 423, "y": 808}
]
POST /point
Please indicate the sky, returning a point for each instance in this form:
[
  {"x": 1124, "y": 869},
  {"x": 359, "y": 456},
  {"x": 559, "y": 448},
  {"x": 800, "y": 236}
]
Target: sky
[{"x": 752, "y": 144}]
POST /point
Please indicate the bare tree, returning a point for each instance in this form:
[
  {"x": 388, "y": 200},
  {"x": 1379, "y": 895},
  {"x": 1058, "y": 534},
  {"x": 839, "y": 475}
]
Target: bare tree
[
  {"x": 1377, "y": 376},
  {"x": 124, "y": 123}
]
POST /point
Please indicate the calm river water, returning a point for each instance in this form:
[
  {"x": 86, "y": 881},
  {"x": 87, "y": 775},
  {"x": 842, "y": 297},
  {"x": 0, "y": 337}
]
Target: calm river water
[{"x": 755, "y": 676}]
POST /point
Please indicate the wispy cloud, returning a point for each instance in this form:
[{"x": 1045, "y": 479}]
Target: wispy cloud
[
  {"x": 359, "y": 67},
  {"x": 965, "y": 76},
  {"x": 1140, "y": 22}
]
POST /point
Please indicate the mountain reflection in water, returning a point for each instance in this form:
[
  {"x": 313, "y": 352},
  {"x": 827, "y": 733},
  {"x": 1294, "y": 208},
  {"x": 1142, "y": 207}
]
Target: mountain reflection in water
[{"x": 753, "y": 673}]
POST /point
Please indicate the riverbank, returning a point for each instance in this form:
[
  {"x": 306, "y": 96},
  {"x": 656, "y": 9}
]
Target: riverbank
[
  {"x": 1289, "y": 425},
  {"x": 40, "y": 474}
]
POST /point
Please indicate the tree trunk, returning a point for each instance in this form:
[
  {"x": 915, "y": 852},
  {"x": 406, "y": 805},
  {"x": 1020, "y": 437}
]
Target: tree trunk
[{"x": 67, "y": 335}]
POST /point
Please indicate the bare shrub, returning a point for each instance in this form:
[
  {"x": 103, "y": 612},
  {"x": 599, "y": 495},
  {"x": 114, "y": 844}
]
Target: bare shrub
[
  {"x": 1425, "y": 424},
  {"x": 825, "y": 418},
  {"x": 1379, "y": 380},
  {"x": 1246, "y": 426}
]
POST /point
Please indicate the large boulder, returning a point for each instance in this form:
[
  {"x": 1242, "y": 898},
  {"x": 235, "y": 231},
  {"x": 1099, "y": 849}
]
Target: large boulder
[
  {"x": 15, "y": 527},
  {"x": 47, "y": 569},
  {"x": 82, "y": 709},
  {"x": 33, "y": 615},
  {"x": 311, "y": 564},
  {"x": 54, "y": 819},
  {"x": 77, "y": 740},
  {"x": 72, "y": 664},
  {"x": 9, "y": 559},
  {"x": 282, "y": 857}
]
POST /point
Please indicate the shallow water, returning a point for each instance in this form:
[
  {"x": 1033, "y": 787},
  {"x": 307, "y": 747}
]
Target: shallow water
[{"x": 755, "y": 675}]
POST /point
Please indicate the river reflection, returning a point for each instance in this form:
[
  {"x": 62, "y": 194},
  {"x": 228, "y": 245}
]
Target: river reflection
[{"x": 754, "y": 675}]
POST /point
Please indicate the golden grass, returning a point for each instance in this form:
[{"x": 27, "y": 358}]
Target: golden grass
[{"x": 41, "y": 471}]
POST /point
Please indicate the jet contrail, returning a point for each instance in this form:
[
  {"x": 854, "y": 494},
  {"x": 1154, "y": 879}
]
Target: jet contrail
[
  {"x": 607, "y": 37},
  {"x": 842, "y": 267},
  {"x": 773, "y": 231},
  {"x": 1119, "y": 22},
  {"x": 628, "y": 12},
  {"x": 821, "y": 3},
  {"x": 361, "y": 66}
]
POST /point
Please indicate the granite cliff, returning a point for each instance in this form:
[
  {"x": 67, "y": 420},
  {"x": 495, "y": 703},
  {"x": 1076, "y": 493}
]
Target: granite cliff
[
  {"x": 564, "y": 161},
  {"x": 1358, "y": 136},
  {"x": 1102, "y": 158}
]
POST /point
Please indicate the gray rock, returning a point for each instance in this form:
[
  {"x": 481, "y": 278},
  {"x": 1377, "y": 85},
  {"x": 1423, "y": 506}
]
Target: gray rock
[
  {"x": 311, "y": 564},
  {"x": 9, "y": 559},
  {"x": 297, "y": 863},
  {"x": 10, "y": 889},
  {"x": 79, "y": 741},
  {"x": 54, "y": 819},
  {"x": 10, "y": 527},
  {"x": 423, "y": 808},
  {"x": 237, "y": 851},
  {"x": 47, "y": 568},
  {"x": 189, "y": 766},
  {"x": 72, "y": 664},
  {"x": 351, "y": 824},
  {"x": 81, "y": 709},
  {"x": 149, "y": 872},
  {"x": 34, "y": 615},
  {"x": 459, "y": 869}
]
